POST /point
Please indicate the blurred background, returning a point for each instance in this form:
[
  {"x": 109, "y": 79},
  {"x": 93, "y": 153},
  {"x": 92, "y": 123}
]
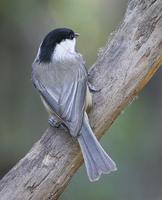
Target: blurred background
[{"x": 134, "y": 140}]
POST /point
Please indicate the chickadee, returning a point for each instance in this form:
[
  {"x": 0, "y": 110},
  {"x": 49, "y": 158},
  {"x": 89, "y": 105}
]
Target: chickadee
[{"x": 59, "y": 74}]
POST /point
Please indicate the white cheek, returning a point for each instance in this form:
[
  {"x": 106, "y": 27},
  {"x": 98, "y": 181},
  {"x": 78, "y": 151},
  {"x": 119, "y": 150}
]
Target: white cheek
[
  {"x": 71, "y": 45},
  {"x": 65, "y": 50},
  {"x": 68, "y": 45}
]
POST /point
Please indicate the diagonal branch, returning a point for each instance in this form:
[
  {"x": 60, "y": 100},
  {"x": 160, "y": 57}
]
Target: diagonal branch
[{"x": 122, "y": 69}]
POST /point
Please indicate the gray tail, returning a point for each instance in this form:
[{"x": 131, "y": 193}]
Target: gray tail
[{"x": 97, "y": 161}]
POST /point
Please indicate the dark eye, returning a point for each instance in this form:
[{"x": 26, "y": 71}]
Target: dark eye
[{"x": 71, "y": 36}]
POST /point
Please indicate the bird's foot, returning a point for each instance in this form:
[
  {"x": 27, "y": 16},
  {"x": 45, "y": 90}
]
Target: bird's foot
[
  {"x": 53, "y": 122},
  {"x": 92, "y": 88}
]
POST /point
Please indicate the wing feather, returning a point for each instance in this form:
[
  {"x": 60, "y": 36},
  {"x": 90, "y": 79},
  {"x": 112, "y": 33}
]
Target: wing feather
[{"x": 67, "y": 100}]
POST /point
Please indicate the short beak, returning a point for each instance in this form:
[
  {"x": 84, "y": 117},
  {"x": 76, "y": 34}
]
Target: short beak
[{"x": 76, "y": 35}]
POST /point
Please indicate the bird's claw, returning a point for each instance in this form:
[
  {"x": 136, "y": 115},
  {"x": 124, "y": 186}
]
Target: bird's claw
[
  {"x": 92, "y": 88},
  {"x": 52, "y": 122}
]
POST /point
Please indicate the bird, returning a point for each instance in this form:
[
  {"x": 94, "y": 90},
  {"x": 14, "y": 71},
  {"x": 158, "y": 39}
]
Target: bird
[{"x": 61, "y": 78}]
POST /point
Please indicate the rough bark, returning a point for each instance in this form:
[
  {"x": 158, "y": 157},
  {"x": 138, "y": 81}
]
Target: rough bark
[{"x": 122, "y": 69}]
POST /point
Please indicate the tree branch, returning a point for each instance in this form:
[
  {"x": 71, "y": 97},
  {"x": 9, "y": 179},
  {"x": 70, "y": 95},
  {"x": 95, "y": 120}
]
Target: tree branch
[{"x": 122, "y": 69}]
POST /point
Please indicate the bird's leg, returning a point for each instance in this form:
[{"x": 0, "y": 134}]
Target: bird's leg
[
  {"x": 91, "y": 87},
  {"x": 55, "y": 123}
]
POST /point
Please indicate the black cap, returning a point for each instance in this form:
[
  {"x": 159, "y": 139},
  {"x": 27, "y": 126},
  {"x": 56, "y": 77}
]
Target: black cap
[{"x": 50, "y": 41}]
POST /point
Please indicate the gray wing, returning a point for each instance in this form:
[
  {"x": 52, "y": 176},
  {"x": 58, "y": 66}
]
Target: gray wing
[
  {"x": 72, "y": 101},
  {"x": 67, "y": 100}
]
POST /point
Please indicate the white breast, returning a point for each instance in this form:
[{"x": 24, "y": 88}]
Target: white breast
[{"x": 88, "y": 99}]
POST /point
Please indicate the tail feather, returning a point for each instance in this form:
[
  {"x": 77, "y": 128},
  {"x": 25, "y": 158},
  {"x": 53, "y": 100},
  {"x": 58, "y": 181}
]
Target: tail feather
[{"x": 97, "y": 161}]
